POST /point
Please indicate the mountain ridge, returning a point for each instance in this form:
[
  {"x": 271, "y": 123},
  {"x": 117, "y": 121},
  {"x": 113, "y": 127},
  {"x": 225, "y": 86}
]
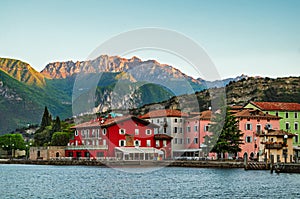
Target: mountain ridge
[{"x": 21, "y": 71}]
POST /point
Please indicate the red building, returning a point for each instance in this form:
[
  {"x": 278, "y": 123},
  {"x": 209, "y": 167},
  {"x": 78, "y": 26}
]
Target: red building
[{"x": 125, "y": 137}]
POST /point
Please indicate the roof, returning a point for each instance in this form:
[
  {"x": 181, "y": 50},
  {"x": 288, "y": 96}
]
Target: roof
[
  {"x": 206, "y": 115},
  {"x": 162, "y": 137},
  {"x": 103, "y": 123},
  {"x": 278, "y": 133},
  {"x": 256, "y": 114},
  {"x": 164, "y": 113},
  {"x": 277, "y": 106}
]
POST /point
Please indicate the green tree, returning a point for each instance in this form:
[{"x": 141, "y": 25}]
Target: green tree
[
  {"x": 60, "y": 139},
  {"x": 56, "y": 125},
  {"x": 226, "y": 138},
  {"x": 46, "y": 119},
  {"x": 12, "y": 141}
]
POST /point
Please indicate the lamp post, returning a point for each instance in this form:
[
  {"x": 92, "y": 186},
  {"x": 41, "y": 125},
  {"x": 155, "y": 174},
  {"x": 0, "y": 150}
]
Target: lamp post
[
  {"x": 285, "y": 137},
  {"x": 255, "y": 147}
]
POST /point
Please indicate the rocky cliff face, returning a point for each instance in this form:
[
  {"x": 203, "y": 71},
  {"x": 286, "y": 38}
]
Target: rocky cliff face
[{"x": 149, "y": 71}]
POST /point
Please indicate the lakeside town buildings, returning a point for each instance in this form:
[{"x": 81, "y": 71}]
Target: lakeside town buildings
[{"x": 172, "y": 134}]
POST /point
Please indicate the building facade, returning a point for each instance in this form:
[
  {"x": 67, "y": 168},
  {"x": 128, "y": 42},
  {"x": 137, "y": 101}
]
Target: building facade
[
  {"x": 289, "y": 112},
  {"x": 276, "y": 146},
  {"x": 170, "y": 122},
  {"x": 252, "y": 123},
  {"x": 125, "y": 137}
]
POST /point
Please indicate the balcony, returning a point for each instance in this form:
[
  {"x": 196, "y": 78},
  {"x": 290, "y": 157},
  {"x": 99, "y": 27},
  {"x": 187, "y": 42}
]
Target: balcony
[
  {"x": 87, "y": 147},
  {"x": 274, "y": 145}
]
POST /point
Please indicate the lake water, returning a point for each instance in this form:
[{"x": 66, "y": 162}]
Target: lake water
[{"x": 35, "y": 181}]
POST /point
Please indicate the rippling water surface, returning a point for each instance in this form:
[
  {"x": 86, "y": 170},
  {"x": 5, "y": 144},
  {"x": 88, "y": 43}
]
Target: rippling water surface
[{"x": 34, "y": 181}]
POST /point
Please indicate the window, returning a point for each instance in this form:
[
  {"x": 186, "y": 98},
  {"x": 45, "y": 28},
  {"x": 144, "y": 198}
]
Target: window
[
  {"x": 195, "y": 128},
  {"x": 122, "y": 143},
  {"x": 164, "y": 143},
  {"x": 286, "y": 115},
  {"x": 248, "y": 126},
  {"x": 165, "y": 130},
  {"x": 287, "y": 126},
  {"x": 180, "y": 120},
  {"x": 136, "y": 131},
  {"x": 296, "y": 115},
  {"x": 157, "y": 121},
  {"x": 188, "y": 129},
  {"x": 180, "y": 141},
  {"x": 76, "y": 133},
  {"x": 155, "y": 130},
  {"x": 137, "y": 143},
  {"x": 175, "y": 120},
  {"x": 175, "y": 140},
  {"x": 267, "y": 113},
  {"x": 104, "y": 131},
  {"x": 93, "y": 133},
  {"x": 165, "y": 119},
  {"x": 258, "y": 128},
  {"x": 180, "y": 130},
  {"x": 97, "y": 133},
  {"x": 188, "y": 140},
  {"x": 148, "y": 143},
  {"x": 104, "y": 142},
  {"x": 157, "y": 144},
  {"x": 296, "y": 139},
  {"x": 206, "y": 128},
  {"x": 122, "y": 131},
  {"x": 277, "y": 113},
  {"x": 148, "y": 132},
  {"x": 248, "y": 139},
  {"x": 195, "y": 140},
  {"x": 97, "y": 142},
  {"x": 296, "y": 126},
  {"x": 175, "y": 129}
]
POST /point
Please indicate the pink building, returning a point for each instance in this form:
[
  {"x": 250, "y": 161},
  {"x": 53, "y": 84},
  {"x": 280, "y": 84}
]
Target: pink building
[{"x": 252, "y": 123}]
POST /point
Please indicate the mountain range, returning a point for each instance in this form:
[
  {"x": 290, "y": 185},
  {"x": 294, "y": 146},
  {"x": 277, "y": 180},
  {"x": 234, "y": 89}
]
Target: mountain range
[{"x": 102, "y": 84}]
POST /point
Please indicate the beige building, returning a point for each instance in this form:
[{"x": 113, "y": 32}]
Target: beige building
[
  {"x": 47, "y": 153},
  {"x": 276, "y": 145}
]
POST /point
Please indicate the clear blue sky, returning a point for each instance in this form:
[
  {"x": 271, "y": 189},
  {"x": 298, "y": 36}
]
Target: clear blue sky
[{"x": 257, "y": 37}]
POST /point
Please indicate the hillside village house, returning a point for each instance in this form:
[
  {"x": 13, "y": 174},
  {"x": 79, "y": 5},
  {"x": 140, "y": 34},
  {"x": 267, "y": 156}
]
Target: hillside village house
[
  {"x": 126, "y": 137},
  {"x": 170, "y": 122},
  {"x": 289, "y": 112}
]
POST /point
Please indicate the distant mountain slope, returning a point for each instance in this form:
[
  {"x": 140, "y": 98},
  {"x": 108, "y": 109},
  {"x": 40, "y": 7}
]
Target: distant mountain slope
[
  {"x": 286, "y": 89},
  {"x": 145, "y": 71},
  {"x": 21, "y": 71}
]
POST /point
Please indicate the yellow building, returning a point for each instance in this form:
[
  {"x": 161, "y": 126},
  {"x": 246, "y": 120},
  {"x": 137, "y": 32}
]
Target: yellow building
[{"x": 276, "y": 145}]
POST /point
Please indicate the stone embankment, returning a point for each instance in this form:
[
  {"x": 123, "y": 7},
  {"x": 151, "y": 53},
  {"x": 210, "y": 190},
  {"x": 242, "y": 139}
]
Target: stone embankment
[{"x": 132, "y": 163}]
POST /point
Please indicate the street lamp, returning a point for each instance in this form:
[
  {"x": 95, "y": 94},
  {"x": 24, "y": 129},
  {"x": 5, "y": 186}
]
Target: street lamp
[{"x": 285, "y": 150}]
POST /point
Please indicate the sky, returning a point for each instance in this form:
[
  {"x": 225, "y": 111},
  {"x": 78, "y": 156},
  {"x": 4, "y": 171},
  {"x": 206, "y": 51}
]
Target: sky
[{"x": 255, "y": 38}]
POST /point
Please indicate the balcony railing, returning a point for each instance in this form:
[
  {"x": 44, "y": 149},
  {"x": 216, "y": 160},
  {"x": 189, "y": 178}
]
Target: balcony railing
[
  {"x": 274, "y": 145},
  {"x": 87, "y": 147}
]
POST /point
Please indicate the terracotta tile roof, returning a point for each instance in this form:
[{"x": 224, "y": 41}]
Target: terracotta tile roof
[
  {"x": 278, "y": 133},
  {"x": 277, "y": 106},
  {"x": 257, "y": 114},
  {"x": 112, "y": 121},
  {"x": 206, "y": 115},
  {"x": 162, "y": 137},
  {"x": 235, "y": 107},
  {"x": 164, "y": 113}
]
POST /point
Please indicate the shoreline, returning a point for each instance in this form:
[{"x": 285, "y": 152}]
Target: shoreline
[{"x": 131, "y": 163}]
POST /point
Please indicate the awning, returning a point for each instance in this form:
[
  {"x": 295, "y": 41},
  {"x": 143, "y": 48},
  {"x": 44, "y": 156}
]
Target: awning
[
  {"x": 128, "y": 150},
  {"x": 187, "y": 150}
]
